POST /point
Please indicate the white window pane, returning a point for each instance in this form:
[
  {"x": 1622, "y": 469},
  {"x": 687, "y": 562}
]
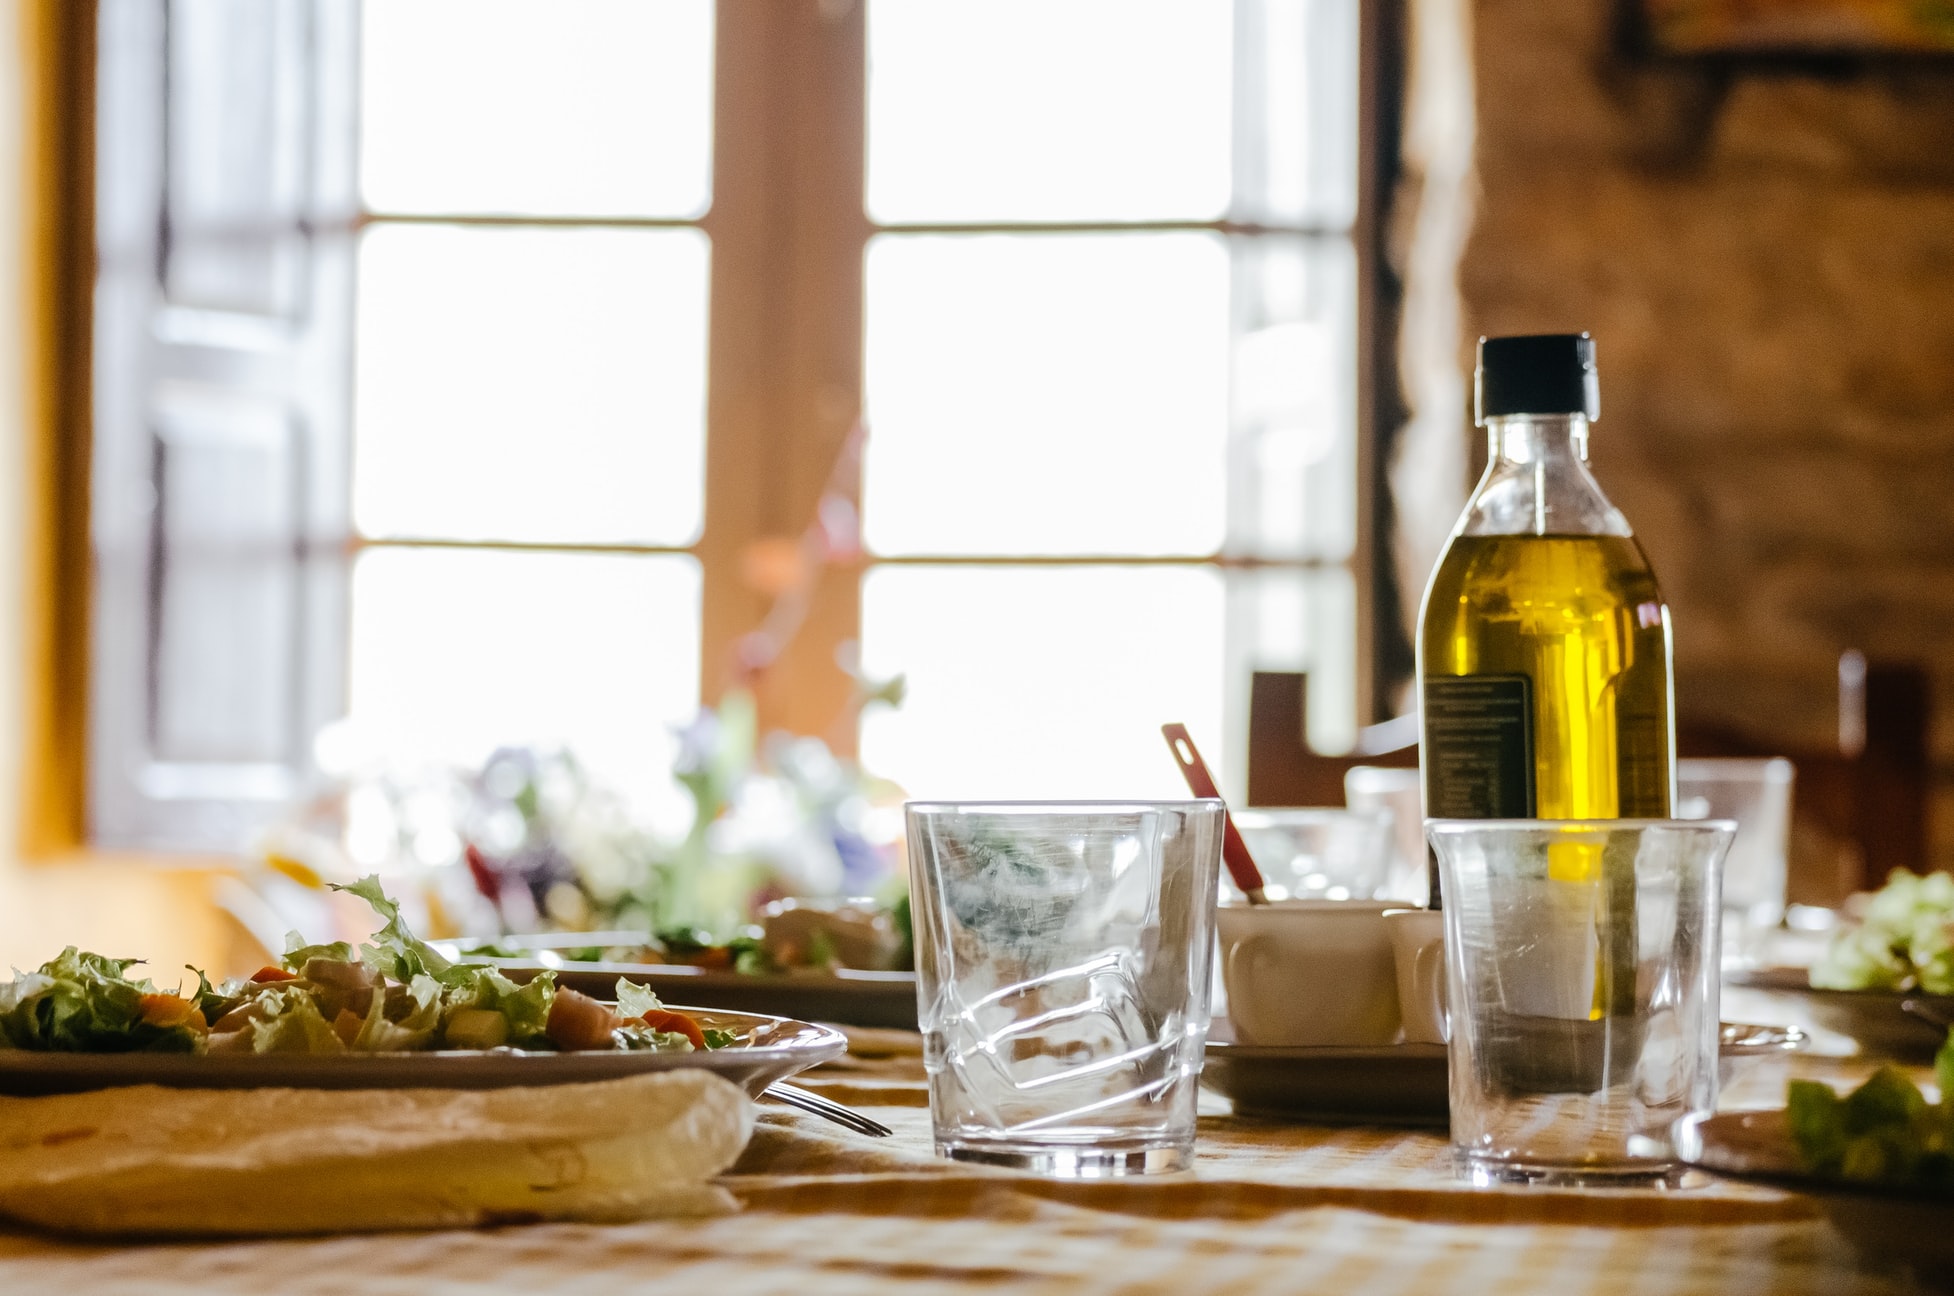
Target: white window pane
[
  {"x": 543, "y": 385},
  {"x": 1293, "y": 484},
  {"x": 1062, "y": 394},
  {"x": 458, "y": 652},
  {"x": 1296, "y": 112},
  {"x": 1041, "y": 683},
  {"x": 537, "y": 107},
  {"x": 1049, "y": 109},
  {"x": 1293, "y": 621}
]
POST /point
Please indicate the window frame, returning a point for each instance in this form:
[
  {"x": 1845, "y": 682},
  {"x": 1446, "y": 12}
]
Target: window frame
[{"x": 784, "y": 384}]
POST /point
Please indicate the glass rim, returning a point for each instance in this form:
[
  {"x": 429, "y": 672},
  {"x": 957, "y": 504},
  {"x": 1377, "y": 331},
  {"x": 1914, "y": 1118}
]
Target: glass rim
[
  {"x": 938, "y": 804},
  {"x": 1453, "y": 827}
]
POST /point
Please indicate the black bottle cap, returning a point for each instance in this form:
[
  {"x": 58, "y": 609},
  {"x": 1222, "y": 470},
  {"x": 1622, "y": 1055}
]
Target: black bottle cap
[{"x": 1542, "y": 373}]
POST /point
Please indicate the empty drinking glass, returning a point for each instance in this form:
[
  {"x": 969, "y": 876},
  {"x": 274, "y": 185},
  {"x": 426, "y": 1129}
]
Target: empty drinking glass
[
  {"x": 1581, "y": 966},
  {"x": 1756, "y": 793},
  {"x": 1317, "y": 853},
  {"x": 1063, "y": 952},
  {"x": 1402, "y": 792}
]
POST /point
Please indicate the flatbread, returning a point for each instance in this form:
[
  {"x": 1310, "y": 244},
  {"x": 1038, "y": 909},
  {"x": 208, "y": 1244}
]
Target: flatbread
[{"x": 172, "y": 1161}]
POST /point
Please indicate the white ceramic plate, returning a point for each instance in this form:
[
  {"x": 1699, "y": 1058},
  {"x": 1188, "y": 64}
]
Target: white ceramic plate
[
  {"x": 1393, "y": 1083},
  {"x": 1872, "y": 1018},
  {"x": 1911, "y": 1225},
  {"x": 853, "y": 998},
  {"x": 768, "y": 1049}
]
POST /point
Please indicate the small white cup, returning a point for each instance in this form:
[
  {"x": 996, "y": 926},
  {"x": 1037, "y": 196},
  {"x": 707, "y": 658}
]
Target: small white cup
[
  {"x": 1309, "y": 972},
  {"x": 1418, "y": 951}
]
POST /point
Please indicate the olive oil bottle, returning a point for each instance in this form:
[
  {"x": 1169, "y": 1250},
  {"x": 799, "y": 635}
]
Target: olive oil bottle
[{"x": 1544, "y": 644}]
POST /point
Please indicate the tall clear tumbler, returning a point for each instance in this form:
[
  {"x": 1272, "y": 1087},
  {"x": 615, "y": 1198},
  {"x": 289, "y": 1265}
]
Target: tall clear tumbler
[
  {"x": 1063, "y": 956},
  {"x": 1582, "y": 969}
]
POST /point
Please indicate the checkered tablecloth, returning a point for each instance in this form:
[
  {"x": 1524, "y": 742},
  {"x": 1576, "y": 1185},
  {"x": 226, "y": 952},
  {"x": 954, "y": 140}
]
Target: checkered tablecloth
[{"x": 1270, "y": 1207}]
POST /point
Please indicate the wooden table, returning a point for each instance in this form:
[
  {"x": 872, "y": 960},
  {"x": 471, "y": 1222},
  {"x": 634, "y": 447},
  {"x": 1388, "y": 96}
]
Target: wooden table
[{"x": 1269, "y": 1207}]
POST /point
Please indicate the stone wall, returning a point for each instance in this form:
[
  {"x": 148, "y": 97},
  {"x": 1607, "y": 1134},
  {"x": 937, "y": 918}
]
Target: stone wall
[{"x": 1765, "y": 255}]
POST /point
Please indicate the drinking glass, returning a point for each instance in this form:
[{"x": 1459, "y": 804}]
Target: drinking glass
[
  {"x": 1755, "y": 792},
  {"x": 1316, "y": 853},
  {"x": 1063, "y": 954},
  {"x": 1581, "y": 967},
  {"x": 1402, "y": 792}
]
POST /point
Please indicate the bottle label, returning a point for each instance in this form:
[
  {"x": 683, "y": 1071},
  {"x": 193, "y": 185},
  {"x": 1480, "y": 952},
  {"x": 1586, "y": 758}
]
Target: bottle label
[{"x": 1478, "y": 752}]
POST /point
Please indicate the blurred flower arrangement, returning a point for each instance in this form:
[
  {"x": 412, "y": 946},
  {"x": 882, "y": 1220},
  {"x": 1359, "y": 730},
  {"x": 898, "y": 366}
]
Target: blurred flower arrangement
[
  {"x": 533, "y": 842},
  {"x": 771, "y": 820}
]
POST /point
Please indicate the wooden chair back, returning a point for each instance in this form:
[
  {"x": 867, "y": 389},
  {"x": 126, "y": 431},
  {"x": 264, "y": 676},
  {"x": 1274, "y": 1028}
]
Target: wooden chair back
[{"x": 1858, "y": 810}]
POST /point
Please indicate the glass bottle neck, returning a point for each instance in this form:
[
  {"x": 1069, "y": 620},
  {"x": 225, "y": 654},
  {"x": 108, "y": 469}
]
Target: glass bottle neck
[
  {"x": 1537, "y": 439},
  {"x": 1537, "y": 481}
]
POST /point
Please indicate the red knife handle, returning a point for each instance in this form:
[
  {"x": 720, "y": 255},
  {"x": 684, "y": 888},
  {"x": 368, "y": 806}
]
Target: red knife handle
[{"x": 1234, "y": 851}]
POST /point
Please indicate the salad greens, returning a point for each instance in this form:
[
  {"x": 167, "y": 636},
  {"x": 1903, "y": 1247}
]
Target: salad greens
[
  {"x": 1885, "y": 1131},
  {"x": 85, "y": 1003},
  {"x": 394, "y": 993},
  {"x": 1904, "y": 942}
]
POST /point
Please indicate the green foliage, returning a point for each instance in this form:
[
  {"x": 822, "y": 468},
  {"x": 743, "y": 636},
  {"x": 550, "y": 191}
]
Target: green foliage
[
  {"x": 1904, "y": 941},
  {"x": 1885, "y": 1131},
  {"x": 298, "y": 953},
  {"x": 634, "y": 1000},
  {"x": 395, "y": 951},
  {"x": 85, "y": 1003}
]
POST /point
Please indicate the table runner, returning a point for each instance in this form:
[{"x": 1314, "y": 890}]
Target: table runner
[{"x": 1270, "y": 1207}]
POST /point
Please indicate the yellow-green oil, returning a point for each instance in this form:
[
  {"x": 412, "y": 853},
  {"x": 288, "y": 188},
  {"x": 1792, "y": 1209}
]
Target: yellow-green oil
[{"x": 1581, "y": 617}]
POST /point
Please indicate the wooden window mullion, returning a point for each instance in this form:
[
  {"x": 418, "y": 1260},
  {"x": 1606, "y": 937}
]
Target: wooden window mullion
[{"x": 785, "y": 353}]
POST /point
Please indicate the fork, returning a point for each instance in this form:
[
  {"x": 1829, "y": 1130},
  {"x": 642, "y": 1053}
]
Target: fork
[{"x": 827, "y": 1108}]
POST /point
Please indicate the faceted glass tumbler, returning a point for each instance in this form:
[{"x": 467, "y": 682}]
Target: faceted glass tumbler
[
  {"x": 1582, "y": 973},
  {"x": 1063, "y": 958}
]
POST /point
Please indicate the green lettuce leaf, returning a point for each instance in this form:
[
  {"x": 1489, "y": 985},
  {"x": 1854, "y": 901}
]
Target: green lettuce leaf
[
  {"x": 289, "y": 1021},
  {"x": 395, "y": 950},
  {"x": 1884, "y": 1131},
  {"x": 1817, "y": 1121},
  {"x": 634, "y": 1000},
  {"x": 297, "y": 952},
  {"x": 638, "y": 1036},
  {"x": 526, "y": 1006},
  {"x": 414, "y": 1031},
  {"x": 719, "y": 1039},
  {"x": 85, "y": 1003}
]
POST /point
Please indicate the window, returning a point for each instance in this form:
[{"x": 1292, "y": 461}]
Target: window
[{"x": 477, "y": 368}]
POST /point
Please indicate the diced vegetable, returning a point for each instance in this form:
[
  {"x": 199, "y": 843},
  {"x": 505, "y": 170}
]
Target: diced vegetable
[
  {"x": 578, "y": 1022},
  {"x": 171, "y": 1010},
  {"x": 476, "y": 1028},
  {"x": 671, "y": 1023}
]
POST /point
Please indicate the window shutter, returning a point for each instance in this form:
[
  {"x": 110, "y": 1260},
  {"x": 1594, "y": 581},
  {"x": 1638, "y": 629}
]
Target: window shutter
[{"x": 225, "y": 198}]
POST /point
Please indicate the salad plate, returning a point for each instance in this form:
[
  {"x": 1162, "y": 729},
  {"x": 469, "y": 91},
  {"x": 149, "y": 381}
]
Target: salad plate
[
  {"x": 1901, "y": 1222},
  {"x": 844, "y": 995},
  {"x": 1402, "y": 1084},
  {"x": 764, "y": 1050},
  {"x": 1874, "y": 1019}
]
